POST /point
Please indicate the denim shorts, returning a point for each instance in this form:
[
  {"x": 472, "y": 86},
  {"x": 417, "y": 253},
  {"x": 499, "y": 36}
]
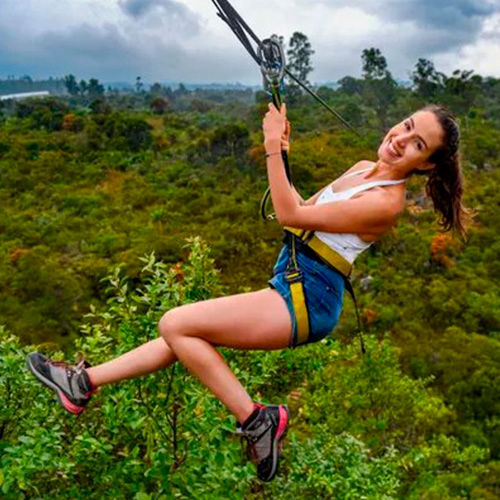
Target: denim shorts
[{"x": 323, "y": 290}]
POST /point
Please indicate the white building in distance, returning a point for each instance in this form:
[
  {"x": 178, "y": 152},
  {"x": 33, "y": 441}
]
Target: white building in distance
[{"x": 24, "y": 95}]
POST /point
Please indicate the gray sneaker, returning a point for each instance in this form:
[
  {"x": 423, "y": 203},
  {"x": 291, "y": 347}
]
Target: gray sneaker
[
  {"x": 264, "y": 435},
  {"x": 71, "y": 384}
]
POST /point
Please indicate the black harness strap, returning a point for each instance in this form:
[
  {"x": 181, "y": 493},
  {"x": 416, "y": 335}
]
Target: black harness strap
[
  {"x": 350, "y": 289},
  {"x": 227, "y": 13}
]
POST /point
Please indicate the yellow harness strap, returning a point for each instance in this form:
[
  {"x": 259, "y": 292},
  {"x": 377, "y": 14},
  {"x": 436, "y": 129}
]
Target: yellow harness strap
[
  {"x": 323, "y": 250},
  {"x": 300, "y": 308}
]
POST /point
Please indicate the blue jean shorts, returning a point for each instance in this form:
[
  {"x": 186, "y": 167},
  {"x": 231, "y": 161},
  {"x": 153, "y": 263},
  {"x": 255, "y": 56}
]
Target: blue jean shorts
[{"x": 323, "y": 290}]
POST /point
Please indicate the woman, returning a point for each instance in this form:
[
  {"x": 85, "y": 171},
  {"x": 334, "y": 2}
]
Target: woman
[{"x": 348, "y": 215}]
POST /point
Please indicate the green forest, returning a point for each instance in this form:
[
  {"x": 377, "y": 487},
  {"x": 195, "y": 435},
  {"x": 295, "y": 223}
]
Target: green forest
[{"x": 117, "y": 206}]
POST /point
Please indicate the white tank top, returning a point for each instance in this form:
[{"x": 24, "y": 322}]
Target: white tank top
[{"x": 347, "y": 244}]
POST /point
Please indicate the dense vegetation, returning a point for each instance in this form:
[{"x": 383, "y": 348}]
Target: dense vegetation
[{"x": 116, "y": 207}]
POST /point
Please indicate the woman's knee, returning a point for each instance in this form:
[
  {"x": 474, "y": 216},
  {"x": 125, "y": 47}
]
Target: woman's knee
[{"x": 172, "y": 324}]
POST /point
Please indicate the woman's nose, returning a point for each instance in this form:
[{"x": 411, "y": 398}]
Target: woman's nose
[{"x": 401, "y": 139}]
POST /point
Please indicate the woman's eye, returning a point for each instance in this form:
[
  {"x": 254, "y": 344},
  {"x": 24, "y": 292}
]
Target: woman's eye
[
  {"x": 407, "y": 126},
  {"x": 419, "y": 146}
]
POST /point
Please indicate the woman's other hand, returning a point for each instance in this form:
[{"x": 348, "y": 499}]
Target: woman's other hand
[{"x": 274, "y": 127}]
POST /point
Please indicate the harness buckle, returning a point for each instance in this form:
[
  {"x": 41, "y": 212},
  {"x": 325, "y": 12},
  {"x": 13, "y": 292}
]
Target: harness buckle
[{"x": 293, "y": 275}]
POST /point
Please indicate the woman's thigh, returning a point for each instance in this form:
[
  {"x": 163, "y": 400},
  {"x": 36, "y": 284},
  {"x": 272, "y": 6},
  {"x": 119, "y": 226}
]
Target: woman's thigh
[{"x": 254, "y": 320}]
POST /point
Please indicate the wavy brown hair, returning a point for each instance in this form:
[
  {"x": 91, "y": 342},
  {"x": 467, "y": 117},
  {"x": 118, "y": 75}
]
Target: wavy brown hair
[{"x": 445, "y": 183}]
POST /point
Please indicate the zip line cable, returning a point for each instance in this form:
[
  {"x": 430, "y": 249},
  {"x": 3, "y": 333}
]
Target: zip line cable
[{"x": 321, "y": 101}]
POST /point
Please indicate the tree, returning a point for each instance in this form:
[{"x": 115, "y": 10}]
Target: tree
[
  {"x": 379, "y": 88},
  {"x": 95, "y": 89},
  {"x": 462, "y": 89},
  {"x": 230, "y": 140},
  {"x": 159, "y": 105},
  {"x": 374, "y": 64},
  {"x": 350, "y": 85},
  {"x": 136, "y": 133},
  {"x": 200, "y": 105},
  {"x": 427, "y": 82},
  {"x": 47, "y": 113},
  {"x": 100, "y": 106},
  {"x": 156, "y": 88},
  {"x": 299, "y": 61},
  {"x": 180, "y": 91},
  {"x": 71, "y": 84},
  {"x": 138, "y": 85},
  {"x": 83, "y": 87}
]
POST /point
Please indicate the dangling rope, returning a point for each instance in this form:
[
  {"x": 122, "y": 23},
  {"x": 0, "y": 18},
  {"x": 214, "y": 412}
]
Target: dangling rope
[{"x": 271, "y": 59}]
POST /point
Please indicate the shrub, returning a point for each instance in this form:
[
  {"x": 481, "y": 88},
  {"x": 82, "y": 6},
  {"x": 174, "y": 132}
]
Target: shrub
[
  {"x": 164, "y": 436},
  {"x": 47, "y": 113}
]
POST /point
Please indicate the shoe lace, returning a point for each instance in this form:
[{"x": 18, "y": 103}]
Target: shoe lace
[
  {"x": 252, "y": 439},
  {"x": 62, "y": 364},
  {"x": 247, "y": 448},
  {"x": 71, "y": 370},
  {"x": 55, "y": 363},
  {"x": 78, "y": 367},
  {"x": 81, "y": 365},
  {"x": 251, "y": 452}
]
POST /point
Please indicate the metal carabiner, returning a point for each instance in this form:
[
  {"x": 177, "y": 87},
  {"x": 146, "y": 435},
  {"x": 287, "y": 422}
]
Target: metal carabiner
[{"x": 272, "y": 66}]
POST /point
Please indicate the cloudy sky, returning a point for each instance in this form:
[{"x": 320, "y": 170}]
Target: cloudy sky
[{"x": 185, "y": 41}]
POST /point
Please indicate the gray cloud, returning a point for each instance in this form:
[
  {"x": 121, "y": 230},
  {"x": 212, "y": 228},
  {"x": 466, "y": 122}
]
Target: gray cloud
[
  {"x": 107, "y": 53},
  {"x": 425, "y": 13},
  {"x": 411, "y": 29},
  {"x": 440, "y": 26},
  {"x": 84, "y": 49},
  {"x": 137, "y": 8},
  {"x": 422, "y": 28},
  {"x": 493, "y": 30},
  {"x": 165, "y": 39},
  {"x": 175, "y": 14},
  {"x": 147, "y": 42},
  {"x": 440, "y": 14}
]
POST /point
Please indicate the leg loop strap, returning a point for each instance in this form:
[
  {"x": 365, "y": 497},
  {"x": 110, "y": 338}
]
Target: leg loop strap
[{"x": 296, "y": 281}]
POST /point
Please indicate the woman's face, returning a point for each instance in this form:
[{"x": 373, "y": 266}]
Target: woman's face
[{"x": 409, "y": 144}]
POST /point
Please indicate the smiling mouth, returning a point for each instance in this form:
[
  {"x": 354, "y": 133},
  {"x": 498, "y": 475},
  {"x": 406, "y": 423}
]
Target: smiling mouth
[{"x": 392, "y": 150}]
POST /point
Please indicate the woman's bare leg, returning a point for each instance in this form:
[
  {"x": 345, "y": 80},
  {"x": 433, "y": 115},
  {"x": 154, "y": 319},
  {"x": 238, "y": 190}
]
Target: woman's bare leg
[
  {"x": 255, "y": 320},
  {"x": 142, "y": 360}
]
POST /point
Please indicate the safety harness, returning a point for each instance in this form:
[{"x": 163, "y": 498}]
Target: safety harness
[
  {"x": 270, "y": 57},
  {"x": 315, "y": 248}
]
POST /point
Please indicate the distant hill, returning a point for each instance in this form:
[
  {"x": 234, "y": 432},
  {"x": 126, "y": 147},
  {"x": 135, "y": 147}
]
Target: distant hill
[{"x": 25, "y": 84}]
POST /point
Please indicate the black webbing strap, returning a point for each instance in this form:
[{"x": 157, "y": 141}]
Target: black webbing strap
[
  {"x": 350, "y": 289},
  {"x": 238, "y": 26}
]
